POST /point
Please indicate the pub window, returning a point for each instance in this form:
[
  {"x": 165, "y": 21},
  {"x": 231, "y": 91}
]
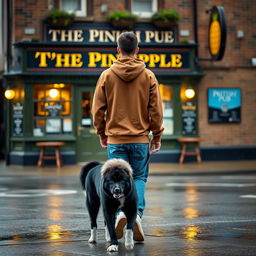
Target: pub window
[
  {"x": 144, "y": 8},
  {"x": 86, "y": 120},
  {"x": 75, "y": 6},
  {"x": 52, "y": 109},
  {"x": 166, "y": 92}
]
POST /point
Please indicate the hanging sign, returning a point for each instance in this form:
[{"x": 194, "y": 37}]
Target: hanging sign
[
  {"x": 224, "y": 105},
  {"x": 217, "y": 33}
]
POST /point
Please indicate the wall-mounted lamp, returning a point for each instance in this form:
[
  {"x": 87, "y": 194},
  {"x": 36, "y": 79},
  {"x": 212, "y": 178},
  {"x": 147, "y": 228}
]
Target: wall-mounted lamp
[
  {"x": 9, "y": 94},
  {"x": 190, "y": 93},
  {"x": 54, "y": 93}
]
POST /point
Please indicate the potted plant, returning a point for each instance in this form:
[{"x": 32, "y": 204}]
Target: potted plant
[
  {"x": 122, "y": 19},
  {"x": 59, "y": 18},
  {"x": 165, "y": 18}
]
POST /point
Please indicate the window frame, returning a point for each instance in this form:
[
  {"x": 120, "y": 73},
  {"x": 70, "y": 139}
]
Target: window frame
[
  {"x": 83, "y": 11},
  {"x": 145, "y": 14}
]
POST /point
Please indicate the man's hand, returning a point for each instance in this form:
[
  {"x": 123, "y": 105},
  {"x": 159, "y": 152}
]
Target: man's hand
[
  {"x": 154, "y": 146},
  {"x": 104, "y": 142}
]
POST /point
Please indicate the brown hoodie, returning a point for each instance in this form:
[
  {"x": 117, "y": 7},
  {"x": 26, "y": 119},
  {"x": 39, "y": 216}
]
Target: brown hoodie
[{"x": 127, "y": 103}]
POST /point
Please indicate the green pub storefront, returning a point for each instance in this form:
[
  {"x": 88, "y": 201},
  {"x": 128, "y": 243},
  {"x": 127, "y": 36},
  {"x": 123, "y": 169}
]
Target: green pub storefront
[{"x": 53, "y": 82}]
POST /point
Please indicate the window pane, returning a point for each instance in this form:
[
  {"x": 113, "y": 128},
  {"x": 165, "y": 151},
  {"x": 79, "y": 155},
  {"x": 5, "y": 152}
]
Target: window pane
[
  {"x": 166, "y": 92},
  {"x": 71, "y": 5},
  {"x": 142, "y": 5},
  {"x": 39, "y": 127},
  {"x": 86, "y": 109},
  {"x": 53, "y": 126},
  {"x": 67, "y": 125}
]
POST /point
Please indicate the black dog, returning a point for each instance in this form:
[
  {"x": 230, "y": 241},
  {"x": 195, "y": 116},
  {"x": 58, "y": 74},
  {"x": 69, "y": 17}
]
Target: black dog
[{"x": 112, "y": 186}]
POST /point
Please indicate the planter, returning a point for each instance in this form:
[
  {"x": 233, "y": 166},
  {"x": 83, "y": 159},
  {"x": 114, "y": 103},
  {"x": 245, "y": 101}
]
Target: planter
[
  {"x": 60, "y": 22},
  {"x": 123, "y": 23},
  {"x": 164, "y": 23}
]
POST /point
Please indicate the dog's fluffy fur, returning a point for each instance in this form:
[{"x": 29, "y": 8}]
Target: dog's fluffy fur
[{"x": 110, "y": 185}]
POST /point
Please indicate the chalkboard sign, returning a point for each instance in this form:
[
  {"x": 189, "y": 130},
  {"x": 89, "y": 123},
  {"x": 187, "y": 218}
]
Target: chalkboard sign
[
  {"x": 189, "y": 118},
  {"x": 224, "y": 105},
  {"x": 18, "y": 119}
]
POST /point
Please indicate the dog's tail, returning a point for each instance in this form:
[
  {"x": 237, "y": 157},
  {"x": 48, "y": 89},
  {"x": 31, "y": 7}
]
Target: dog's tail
[{"x": 84, "y": 171}]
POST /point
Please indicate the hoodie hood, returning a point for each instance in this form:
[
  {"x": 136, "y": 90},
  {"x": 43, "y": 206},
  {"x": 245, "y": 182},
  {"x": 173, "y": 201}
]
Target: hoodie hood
[{"x": 128, "y": 68}]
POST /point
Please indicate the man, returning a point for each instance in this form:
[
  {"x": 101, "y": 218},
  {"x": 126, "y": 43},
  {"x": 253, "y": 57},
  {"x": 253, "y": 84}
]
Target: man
[{"x": 126, "y": 108}]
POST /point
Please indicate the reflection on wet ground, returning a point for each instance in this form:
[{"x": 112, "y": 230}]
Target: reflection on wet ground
[{"x": 180, "y": 221}]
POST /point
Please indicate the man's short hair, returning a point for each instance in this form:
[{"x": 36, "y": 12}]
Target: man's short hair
[{"x": 127, "y": 42}]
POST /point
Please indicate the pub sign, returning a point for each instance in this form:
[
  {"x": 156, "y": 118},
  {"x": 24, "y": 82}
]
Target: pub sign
[{"x": 224, "y": 105}]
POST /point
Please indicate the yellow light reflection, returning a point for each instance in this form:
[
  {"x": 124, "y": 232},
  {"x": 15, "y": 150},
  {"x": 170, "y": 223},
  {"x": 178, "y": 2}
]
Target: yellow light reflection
[
  {"x": 54, "y": 232},
  {"x": 191, "y": 213},
  {"x": 191, "y": 196},
  {"x": 191, "y": 232}
]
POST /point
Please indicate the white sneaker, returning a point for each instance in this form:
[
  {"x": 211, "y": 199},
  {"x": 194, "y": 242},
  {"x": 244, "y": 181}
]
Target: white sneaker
[
  {"x": 138, "y": 234},
  {"x": 120, "y": 224}
]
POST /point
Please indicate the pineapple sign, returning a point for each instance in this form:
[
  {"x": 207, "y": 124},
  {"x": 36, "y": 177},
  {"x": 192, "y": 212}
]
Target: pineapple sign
[{"x": 217, "y": 33}]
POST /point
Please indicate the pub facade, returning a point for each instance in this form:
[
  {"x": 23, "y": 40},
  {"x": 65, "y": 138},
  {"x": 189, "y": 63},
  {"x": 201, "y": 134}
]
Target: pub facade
[
  {"x": 54, "y": 82},
  {"x": 52, "y": 73}
]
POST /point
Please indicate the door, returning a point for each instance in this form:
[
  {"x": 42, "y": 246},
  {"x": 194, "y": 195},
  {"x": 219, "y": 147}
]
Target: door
[{"x": 87, "y": 143}]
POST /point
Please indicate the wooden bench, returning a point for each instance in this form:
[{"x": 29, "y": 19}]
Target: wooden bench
[
  {"x": 184, "y": 152},
  {"x": 42, "y": 156}
]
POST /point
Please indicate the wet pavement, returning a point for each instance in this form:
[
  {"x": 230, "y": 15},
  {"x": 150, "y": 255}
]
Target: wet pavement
[{"x": 43, "y": 213}]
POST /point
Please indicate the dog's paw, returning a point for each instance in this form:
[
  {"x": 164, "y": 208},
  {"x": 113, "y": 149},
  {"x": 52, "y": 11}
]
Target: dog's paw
[
  {"x": 107, "y": 236},
  {"x": 129, "y": 244},
  {"x": 93, "y": 238},
  {"x": 113, "y": 248}
]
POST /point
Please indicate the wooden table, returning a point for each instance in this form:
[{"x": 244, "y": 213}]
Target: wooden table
[
  {"x": 57, "y": 156},
  {"x": 184, "y": 152}
]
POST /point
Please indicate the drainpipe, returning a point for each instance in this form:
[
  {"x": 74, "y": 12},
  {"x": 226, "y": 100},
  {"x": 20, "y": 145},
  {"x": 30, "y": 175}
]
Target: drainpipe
[
  {"x": 9, "y": 17},
  {"x": 195, "y": 28}
]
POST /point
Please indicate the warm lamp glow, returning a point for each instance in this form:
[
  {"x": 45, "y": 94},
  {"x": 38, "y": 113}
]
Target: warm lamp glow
[
  {"x": 54, "y": 93},
  {"x": 190, "y": 93},
  {"x": 9, "y": 94}
]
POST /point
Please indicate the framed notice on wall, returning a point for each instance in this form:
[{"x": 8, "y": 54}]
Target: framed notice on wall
[{"x": 224, "y": 105}]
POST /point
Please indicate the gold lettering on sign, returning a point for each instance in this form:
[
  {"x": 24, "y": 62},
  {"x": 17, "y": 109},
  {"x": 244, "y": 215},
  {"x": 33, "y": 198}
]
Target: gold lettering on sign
[
  {"x": 66, "y": 35},
  {"x": 108, "y": 36},
  {"x": 176, "y": 60},
  {"x": 104, "y": 60},
  {"x": 43, "y": 56},
  {"x": 67, "y": 60}
]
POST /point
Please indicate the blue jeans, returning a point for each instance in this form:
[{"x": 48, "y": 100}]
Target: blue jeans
[{"x": 137, "y": 155}]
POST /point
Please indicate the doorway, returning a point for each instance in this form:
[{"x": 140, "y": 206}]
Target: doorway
[{"x": 87, "y": 144}]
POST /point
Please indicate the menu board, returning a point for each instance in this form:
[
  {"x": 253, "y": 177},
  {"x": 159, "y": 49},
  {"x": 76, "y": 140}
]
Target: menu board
[
  {"x": 224, "y": 105},
  {"x": 17, "y": 119},
  {"x": 188, "y": 118}
]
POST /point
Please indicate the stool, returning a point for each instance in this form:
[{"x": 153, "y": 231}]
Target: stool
[
  {"x": 42, "y": 156},
  {"x": 184, "y": 152}
]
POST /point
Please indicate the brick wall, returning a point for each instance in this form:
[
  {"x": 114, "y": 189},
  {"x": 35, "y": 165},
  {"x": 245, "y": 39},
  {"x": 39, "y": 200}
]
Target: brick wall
[
  {"x": 28, "y": 14},
  {"x": 235, "y": 70}
]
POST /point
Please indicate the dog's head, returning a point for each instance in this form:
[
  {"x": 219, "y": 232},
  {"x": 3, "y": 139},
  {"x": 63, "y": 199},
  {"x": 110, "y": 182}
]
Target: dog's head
[{"x": 117, "y": 178}]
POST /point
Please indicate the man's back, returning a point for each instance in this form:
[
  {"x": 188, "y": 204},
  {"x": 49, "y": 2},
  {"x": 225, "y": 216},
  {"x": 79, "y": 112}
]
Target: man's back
[{"x": 131, "y": 97}]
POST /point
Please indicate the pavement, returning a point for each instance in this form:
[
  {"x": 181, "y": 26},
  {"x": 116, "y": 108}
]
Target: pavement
[{"x": 189, "y": 168}]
